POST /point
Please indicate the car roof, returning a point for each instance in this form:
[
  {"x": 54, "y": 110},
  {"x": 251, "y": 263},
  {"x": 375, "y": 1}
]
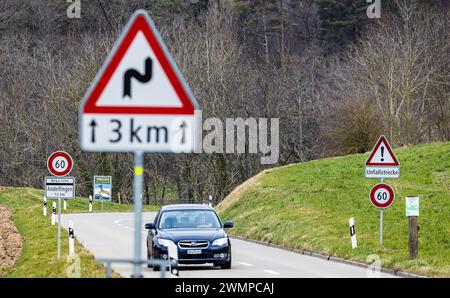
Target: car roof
[{"x": 186, "y": 207}]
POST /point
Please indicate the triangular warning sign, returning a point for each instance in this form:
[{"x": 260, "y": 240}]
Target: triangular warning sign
[
  {"x": 139, "y": 76},
  {"x": 382, "y": 154}
]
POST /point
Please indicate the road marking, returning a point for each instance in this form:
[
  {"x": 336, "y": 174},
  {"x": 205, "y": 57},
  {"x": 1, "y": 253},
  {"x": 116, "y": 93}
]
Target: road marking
[
  {"x": 272, "y": 272},
  {"x": 246, "y": 264}
]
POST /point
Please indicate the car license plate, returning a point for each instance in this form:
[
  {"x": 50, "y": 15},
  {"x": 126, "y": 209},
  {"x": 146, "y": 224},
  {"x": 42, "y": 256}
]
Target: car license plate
[{"x": 194, "y": 251}]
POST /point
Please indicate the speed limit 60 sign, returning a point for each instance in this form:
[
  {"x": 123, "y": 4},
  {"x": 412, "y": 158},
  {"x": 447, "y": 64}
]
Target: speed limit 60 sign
[
  {"x": 381, "y": 195},
  {"x": 60, "y": 163}
]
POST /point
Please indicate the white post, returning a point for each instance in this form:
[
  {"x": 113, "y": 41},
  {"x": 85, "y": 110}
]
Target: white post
[
  {"x": 210, "y": 201},
  {"x": 351, "y": 222},
  {"x": 173, "y": 256},
  {"x": 90, "y": 203},
  {"x": 71, "y": 239},
  {"x": 45, "y": 206},
  {"x": 65, "y": 204},
  {"x": 53, "y": 213}
]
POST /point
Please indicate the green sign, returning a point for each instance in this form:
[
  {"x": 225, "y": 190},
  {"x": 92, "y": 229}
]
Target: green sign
[{"x": 412, "y": 206}]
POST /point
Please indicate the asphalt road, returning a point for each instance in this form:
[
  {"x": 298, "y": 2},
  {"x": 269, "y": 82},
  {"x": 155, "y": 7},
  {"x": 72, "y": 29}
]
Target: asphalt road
[{"x": 110, "y": 235}]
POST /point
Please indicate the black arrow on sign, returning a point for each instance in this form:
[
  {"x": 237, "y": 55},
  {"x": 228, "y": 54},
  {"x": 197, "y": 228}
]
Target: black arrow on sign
[
  {"x": 93, "y": 124},
  {"x": 133, "y": 73},
  {"x": 183, "y": 137}
]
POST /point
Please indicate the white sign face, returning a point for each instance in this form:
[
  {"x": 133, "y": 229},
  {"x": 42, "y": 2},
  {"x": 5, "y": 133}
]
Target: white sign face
[
  {"x": 60, "y": 187},
  {"x": 382, "y": 162},
  {"x": 103, "y": 188},
  {"x": 139, "y": 100},
  {"x": 412, "y": 206}
]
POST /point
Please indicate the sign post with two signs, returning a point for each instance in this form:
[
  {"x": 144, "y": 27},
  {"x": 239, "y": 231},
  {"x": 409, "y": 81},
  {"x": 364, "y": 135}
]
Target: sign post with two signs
[
  {"x": 59, "y": 186},
  {"x": 382, "y": 164},
  {"x": 139, "y": 102}
]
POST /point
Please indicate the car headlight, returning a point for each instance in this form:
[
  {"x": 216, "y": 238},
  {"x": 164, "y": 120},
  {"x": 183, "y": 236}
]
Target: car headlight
[
  {"x": 220, "y": 241},
  {"x": 165, "y": 242}
]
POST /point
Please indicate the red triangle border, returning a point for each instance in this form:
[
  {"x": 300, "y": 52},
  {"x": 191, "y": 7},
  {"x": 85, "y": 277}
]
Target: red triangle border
[
  {"x": 382, "y": 139},
  {"x": 139, "y": 24}
]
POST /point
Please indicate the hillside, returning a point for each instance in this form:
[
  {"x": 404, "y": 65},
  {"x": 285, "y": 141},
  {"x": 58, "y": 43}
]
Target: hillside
[{"x": 307, "y": 206}]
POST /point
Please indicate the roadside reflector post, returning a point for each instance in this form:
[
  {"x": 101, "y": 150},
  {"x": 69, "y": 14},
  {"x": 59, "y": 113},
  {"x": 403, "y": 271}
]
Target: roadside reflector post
[
  {"x": 412, "y": 212},
  {"x": 138, "y": 179},
  {"x": 65, "y": 204},
  {"x": 53, "y": 213},
  {"x": 71, "y": 239},
  {"x": 210, "y": 200},
  {"x": 59, "y": 228},
  {"x": 173, "y": 261},
  {"x": 90, "y": 203},
  {"x": 45, "y": 206},
  {"x": 351, "y": 223}
]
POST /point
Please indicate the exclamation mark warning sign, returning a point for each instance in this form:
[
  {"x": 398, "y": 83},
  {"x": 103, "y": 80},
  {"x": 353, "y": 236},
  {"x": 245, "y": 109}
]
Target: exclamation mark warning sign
[{"x": 382, "y": 162}]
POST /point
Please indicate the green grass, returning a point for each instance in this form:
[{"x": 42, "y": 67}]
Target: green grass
[
  {"x": 38, "y": 257},
  {"x": 307, "y": 206}
]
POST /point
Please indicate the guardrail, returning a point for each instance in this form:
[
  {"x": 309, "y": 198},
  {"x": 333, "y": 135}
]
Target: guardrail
[{"x": 163, "y": 265}]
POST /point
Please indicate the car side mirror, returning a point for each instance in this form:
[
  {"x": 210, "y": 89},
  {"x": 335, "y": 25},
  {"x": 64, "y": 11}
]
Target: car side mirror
[
  {"x": 150, "y": 226},
  {"x": 228, "y": 224}
]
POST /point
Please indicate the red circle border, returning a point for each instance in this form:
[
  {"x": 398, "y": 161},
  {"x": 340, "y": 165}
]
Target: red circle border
[
  {"x": 55, "y": 155},
  {"x": 372, "y": 195}
]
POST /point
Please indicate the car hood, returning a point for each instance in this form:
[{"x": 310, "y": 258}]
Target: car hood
[{"x": 192, "y": 234}]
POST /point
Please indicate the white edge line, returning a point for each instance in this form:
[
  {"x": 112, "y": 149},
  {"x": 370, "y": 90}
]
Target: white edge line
[{"x": 272, "y": 272}]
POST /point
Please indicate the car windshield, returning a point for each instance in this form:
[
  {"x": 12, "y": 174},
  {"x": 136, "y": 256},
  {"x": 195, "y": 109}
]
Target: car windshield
[{"x": 189, "y": 219}]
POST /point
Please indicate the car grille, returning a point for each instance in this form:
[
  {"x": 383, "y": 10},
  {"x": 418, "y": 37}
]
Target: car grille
[{"x": 193, "y": 244}]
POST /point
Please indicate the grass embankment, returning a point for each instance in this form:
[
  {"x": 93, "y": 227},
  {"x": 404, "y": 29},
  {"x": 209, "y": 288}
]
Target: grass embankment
[
  {"x": 307, "y": 207},
  {"x": 38, "y": 257}
]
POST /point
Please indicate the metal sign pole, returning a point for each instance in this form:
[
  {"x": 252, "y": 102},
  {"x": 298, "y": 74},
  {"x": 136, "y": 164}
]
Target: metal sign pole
[
  {"x": 138, "y": 172},
  {"x": 381, "y": 227},
  {"x": 59, "y": 228},
  {"x": 381, "y": 222}
]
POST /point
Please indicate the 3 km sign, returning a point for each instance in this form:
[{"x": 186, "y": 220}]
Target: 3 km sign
[
  {"x": 139, "y": 99},
  {"x": 139, "y": 102}
]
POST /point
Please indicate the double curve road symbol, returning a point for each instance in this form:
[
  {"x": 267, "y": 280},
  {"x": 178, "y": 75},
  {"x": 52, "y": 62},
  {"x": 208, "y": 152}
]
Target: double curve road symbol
[{"x": 133, "y": 73}]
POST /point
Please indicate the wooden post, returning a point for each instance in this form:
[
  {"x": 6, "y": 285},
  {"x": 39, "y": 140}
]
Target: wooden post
[{"x": 413, "y": 237}]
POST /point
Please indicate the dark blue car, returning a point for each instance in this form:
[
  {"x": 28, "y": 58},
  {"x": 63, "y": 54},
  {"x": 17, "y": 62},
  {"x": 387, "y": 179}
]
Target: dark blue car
[{"x": 197, "y": 232}]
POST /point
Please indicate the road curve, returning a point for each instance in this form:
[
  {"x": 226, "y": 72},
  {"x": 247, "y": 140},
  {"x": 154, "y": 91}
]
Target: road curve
[{"x": 110, "y": 235}]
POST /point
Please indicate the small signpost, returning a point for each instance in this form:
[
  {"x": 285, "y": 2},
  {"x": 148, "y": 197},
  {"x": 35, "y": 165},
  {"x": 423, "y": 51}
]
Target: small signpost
[
  {"x": 412, "y": 212},
  {"x": 102, "y": 188},
  {"x": 139, "y": 102},
  {"x": 60, "y": 164},
  {"x": 382, "y": 164}
]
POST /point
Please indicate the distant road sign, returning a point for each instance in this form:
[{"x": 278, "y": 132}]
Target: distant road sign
[
  {"x": 382, "y": 162},
  {"x": 60, "y": 163},
  {"x": 60, "y": 187},
  {"x": 139, "y": 100},
  {"x": 103, "y": 188},
  {"x": 412, "y": 206},
  {"x": 381, "y": 196}
]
